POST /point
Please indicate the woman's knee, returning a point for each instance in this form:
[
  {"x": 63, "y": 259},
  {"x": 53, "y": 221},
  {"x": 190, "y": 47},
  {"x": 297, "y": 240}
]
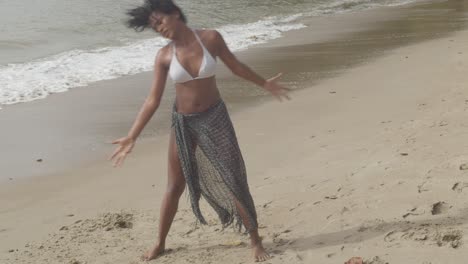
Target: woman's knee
[
  {"x": 176, "y": 181},
  {"x": 175, "y": 188}
]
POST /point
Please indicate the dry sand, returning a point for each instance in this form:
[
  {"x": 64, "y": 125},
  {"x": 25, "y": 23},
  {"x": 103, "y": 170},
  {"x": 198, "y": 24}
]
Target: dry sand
[{"x": 370, "y": 164}]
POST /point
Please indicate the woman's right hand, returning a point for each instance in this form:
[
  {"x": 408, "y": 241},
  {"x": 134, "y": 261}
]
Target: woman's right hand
[{"x": 125, "y": 146}]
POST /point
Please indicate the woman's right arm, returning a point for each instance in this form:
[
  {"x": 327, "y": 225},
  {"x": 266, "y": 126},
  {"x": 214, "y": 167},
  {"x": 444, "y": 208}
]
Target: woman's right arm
[
  {"x": 149, "y": 107},
  {"x": 153, "y": 100}
]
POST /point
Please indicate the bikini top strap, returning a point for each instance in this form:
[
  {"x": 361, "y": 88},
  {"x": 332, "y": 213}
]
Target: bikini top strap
[
  {"x": 173, "y": 48},
  {"x": 198, "y": 38}
]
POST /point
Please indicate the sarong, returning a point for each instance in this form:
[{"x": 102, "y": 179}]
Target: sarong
[{"x": 213, "y": 166}]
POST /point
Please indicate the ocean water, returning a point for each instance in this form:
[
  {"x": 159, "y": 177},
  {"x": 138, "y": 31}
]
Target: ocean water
[{"x": 52, "y": 46}]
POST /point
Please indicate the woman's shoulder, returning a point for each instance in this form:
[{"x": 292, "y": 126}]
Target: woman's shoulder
[
  {"x": 211, "y": 36},
  {"x": 208, "y": 34},
  {"x": 164, "y": 55}
]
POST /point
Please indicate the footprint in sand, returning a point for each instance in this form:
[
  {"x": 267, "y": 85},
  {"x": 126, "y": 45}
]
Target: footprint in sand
[
  {"x": 358, "y": 260},
  {"x": 376, "y": 260},
  {"x": 413, "y": 212},
  {"x": 459, "y": 186},
  {"x": 440, "y": 208},
  {"x": 265, "y": 205},
  {"x": 421, "y": 186},
  {"x": 331, "y": 197},
  {"x": 280, "y": 240},
  {"x": 443, "y": 123},
  {"x": 427, "y": 234},
  {"x": 451, "y": 237},
  {"x": 295, "y": 207},
  {"x": 436, "y": 209}
]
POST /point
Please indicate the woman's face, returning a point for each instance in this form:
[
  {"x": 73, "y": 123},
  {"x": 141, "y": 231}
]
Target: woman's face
[{"x": 165, "y": 24}]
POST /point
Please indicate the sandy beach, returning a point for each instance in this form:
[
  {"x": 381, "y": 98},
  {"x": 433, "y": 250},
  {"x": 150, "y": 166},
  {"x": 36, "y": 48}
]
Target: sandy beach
[{"x": 369, "y": 158}]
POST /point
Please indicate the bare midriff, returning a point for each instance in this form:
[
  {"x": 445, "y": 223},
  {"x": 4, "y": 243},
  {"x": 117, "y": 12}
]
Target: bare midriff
[{"x": 197, "y": 95}]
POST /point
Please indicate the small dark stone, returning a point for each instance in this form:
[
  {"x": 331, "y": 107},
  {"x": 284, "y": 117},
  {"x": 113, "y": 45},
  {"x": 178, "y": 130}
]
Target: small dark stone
[{"x": 39, "y": 160}]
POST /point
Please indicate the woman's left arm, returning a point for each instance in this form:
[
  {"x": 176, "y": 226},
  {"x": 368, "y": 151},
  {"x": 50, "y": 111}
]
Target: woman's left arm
[{"x": 244, "y": 71}]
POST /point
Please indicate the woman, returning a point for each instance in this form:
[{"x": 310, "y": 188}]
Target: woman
[{"x": 203, "y": 149}]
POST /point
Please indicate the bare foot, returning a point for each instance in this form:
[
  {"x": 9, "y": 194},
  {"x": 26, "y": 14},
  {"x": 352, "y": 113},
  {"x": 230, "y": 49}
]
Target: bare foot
[
  {"x": 259, "y": 253},
  {"x": 153, "y": 253}
]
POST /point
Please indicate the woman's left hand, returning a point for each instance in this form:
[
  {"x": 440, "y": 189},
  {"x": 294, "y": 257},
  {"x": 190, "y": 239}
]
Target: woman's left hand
[{"x": 276, "y": 89}]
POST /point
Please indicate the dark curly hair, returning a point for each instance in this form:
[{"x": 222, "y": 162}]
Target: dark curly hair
[{"x": 139, "y": 16}]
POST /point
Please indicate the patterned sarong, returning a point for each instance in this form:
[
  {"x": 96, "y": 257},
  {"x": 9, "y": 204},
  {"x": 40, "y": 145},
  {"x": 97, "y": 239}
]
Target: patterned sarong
[{"x": 213, "y": 166}]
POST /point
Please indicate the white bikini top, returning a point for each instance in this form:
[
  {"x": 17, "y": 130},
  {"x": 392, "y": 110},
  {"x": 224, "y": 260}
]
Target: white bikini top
[{"x": 180, "y": 75}]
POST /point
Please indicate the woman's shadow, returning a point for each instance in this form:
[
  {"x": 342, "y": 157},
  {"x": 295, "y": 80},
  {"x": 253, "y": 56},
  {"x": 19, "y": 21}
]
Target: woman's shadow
[{"x": 368, "y": 231}]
